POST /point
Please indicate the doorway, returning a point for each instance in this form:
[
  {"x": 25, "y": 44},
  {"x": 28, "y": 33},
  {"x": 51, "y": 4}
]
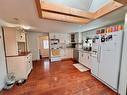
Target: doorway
[{"x": 44, "y": 46}]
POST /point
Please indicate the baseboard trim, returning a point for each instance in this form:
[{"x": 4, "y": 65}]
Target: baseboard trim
[{"x": 67, "y": 59}]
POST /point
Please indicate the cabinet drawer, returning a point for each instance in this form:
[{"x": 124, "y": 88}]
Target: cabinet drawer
[{"x": 29, "y": 57}]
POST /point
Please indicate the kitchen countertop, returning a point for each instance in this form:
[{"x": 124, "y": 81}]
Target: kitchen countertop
[
  {"x": 21, "y": 54},
  {"x": 24, "y": 53},
  {"x": 81, "y": 50},
  {"x": 85, "y": 51},
  {"x": 67, "y": 48}
]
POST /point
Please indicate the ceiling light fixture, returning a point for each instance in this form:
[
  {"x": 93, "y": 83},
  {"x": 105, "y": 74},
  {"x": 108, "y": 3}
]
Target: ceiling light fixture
[{"x": 26, "y": 27}]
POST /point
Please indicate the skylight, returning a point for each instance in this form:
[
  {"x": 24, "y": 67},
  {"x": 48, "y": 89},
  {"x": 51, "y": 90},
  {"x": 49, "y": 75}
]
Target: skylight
[{"x": 86, "y": 5}]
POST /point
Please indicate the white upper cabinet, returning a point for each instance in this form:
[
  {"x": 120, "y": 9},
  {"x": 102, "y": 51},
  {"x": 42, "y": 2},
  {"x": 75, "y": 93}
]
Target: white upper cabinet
[
  {"x": 11, "y": 46},
  {"x": 63, "y": 37},
  {"x": 51, "y": 35},
  {"x": 68, "y": 39},
  {"x": 11, "y": 38},
  {"x": 78, "y": 37}
]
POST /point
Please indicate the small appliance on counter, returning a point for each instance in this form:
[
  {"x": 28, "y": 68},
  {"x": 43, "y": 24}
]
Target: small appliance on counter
[{"x": 87, "y": 45}]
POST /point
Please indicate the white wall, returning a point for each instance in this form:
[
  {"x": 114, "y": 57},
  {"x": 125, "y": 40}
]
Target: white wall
[
  {"x": 33, "y": 44},
  {"x": 92, "y": 32},
  {"x": 2, "y": 62},
  {"x": 123, "y": 73},
  {"x": 110, "y": 18}
]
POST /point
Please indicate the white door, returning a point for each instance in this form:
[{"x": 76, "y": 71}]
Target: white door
[
  {"x": 44, "y": 46},
  {"x": 2, "y": 62}
]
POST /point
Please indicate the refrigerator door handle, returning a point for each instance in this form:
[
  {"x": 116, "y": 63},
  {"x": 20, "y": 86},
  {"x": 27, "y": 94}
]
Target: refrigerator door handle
[{"x": 99, "y": 54}]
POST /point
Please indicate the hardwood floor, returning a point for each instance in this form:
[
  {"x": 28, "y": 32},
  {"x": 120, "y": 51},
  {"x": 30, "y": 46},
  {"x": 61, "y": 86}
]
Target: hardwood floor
[{"x": 59, "y": 78}]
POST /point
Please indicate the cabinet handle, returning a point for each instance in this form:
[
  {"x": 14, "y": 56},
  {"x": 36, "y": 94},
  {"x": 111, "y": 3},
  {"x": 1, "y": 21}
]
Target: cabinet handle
[{"x": 88, "y": 57}]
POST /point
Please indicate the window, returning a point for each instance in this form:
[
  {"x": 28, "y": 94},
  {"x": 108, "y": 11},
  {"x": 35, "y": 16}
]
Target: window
[{"x": 46, "y": 44}]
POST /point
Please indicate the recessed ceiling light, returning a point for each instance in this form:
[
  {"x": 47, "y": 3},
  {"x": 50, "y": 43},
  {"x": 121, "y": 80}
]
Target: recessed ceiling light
[{"x": 25, "y": 27}]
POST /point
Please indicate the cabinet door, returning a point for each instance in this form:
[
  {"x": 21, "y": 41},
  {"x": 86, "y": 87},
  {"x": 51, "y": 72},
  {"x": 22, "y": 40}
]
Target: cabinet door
[
  {"x": 68, "y": 39},
  {"x": 81, "y": 57},
  {"x": 13, "y": 64},
  {"x": 51, "y": 35},
  {"x": 62, "y": 38},
  {"x": 76, "y": 37},
  {"x": 10, "y": 41},
  {"x": 87, "y": 60},
  {"x": 69, "y": 53},
  {"x": 62, "y": 53},
  {"x": 94, "y": 65}
]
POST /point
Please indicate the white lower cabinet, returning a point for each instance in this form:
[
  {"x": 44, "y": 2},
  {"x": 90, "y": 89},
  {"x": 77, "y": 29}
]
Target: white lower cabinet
[
  {"x": 21, "y": 66},
  {"x": 84, "y": 59},
  {"x": 94, "y": 65},
  {"x": 81, "y": 57},
  {"x": 66, "y": 53}
]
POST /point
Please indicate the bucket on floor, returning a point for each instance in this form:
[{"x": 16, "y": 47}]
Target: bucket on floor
[
  {"x": 10, "y": 81},
  {"x": 20, "y": 82}
]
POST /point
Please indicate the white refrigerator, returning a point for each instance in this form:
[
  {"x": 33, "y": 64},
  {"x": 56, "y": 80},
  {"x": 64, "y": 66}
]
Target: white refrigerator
[{"x": 108, "y": 58}]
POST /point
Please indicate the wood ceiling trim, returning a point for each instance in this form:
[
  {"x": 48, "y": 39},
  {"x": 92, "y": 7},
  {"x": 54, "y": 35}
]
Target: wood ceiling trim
[
  {"x": 124, "y": 2},
  {"x": 38, "y": 5},
  {"x": 65, "y": 18},
  {"x": 68, "y": 14},
  {"x": 66, "y": 10},
  {"x": 107, "y": 9}
]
